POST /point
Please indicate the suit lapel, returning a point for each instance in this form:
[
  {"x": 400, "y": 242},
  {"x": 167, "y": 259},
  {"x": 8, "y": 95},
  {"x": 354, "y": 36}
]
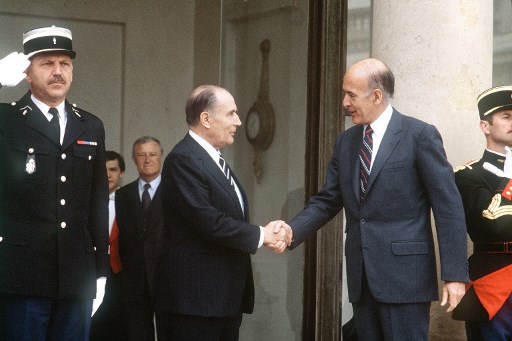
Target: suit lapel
[
  {"x": 389, "y": 141},
  {"x": 244, "y": 212},
  {"x": 355, "y": 146},
  {"x": 136, "y": 211},
  {"x": 74, "y": 126},
  {"x": 154, "y": 215},
  {"x": 36, "y": 119},
  {"x": 215, "y": 171}
]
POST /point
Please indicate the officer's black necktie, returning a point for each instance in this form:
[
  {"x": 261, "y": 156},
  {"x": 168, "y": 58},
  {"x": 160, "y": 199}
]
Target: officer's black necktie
[
  {"x": 54, "y": 122},
  {"x": 146, "y": 198}
]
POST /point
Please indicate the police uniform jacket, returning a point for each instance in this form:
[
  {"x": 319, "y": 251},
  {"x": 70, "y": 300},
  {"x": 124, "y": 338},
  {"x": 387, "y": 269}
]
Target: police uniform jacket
[
  {"x": 488, "y": 213},
  {"x": 54, "y": 216}
]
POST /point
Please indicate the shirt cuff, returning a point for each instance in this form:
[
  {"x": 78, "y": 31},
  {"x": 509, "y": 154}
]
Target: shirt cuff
[{"x": 262, "y": 237}]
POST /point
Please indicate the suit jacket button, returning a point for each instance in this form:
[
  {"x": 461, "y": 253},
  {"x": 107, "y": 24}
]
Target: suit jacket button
[{"x": 363, "y": 221}]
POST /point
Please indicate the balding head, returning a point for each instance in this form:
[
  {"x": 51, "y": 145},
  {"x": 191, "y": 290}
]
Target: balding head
[
  {"x": 201, "y": 99},
  {"x": 368, "y": 86},
  {"x": 377, "y": 74}
]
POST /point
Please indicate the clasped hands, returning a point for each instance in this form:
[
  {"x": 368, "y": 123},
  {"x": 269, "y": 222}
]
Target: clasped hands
[{"x": 277, "y": 236}]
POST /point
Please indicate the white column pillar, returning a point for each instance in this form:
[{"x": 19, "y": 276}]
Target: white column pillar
[{"x": 441, "y": 55}]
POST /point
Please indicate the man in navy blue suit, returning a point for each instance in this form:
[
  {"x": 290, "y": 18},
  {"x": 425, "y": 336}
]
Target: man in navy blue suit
[{"x": 388, "y": 172}]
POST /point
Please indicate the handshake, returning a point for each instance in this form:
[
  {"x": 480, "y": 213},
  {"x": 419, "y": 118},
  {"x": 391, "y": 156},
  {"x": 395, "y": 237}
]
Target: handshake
[{"x": 277, "y": 236}]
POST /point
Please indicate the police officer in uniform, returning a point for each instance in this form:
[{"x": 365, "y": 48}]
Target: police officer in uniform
[
  {"x": 53, "y": 201},
  {"x": 486, "y": 190}
]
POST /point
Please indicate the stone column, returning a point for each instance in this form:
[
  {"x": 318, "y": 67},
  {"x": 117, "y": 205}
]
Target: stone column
[{"x": 441, "y": 55}]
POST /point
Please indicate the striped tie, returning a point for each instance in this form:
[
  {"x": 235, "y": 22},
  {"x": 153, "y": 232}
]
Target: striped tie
[
  {"x": 225, "y": 169},
  {"x": 365, "y": 157}
]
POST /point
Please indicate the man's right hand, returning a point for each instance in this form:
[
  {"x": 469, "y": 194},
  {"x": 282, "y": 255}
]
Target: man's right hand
[
  {"x": 12, "y": 68},
  {"x": 278, "y": 235}
]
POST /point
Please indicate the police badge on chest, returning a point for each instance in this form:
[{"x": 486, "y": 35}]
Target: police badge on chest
[{"x": 30, "y": 164}]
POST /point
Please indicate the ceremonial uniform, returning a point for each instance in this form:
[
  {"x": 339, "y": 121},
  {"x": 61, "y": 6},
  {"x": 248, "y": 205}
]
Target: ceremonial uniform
[
  {"x": 53, "y": 204},
  {"x": 486, "y": 190},
  {"x": 488, "y": 209}
]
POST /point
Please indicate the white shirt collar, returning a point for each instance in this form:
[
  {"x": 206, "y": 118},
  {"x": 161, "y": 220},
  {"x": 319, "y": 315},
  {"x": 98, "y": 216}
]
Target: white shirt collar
[
  {"x": 112, "y": 196},
  {"x": 154, "y": 183},
  {"x": 44, "y": 108},
  {"x": 214, "y": 153},
  {"x": 380, "y": 125}
]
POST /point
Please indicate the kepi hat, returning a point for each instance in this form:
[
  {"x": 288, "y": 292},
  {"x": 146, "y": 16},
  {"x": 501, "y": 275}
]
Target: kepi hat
[
  {"x": 47, "y": 39},
  {"x": 494, "y": 100}
]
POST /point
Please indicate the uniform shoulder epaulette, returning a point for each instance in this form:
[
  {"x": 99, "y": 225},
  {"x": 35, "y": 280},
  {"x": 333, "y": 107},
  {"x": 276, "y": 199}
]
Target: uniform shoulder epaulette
[
  {"x": 81, "y": 113},
  {"x": 76, "y": 110},
  {"x": 466, "y": 165}
]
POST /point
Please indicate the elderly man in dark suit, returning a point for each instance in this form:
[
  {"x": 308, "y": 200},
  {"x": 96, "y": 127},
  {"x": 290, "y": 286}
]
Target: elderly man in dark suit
[
  {"x": 53, "y": 201},
  {"x": 205, "y": 280},
  {"x": 387, "y": 172},
  {"x": 140, "y": 220}
]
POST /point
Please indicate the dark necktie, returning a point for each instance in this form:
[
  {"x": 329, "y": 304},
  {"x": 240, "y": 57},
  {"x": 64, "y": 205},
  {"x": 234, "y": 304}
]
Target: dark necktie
[
  {"x": 365, "y": 158},
  {"x": 225, "y": 169},
  {"x": 54, "y": 122},
  {"x": 146, "y": 198}
]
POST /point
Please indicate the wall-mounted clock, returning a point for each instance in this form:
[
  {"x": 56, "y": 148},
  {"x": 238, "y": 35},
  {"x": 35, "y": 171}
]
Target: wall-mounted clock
[{"x": 260, "y": 120}]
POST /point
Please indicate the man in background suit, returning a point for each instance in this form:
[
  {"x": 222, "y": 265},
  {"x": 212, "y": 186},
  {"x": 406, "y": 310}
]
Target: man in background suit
[
  {"x": 205, "y": 280},
  {"x": 387, "y": 172},
  {"x": 140, "y": 221},
  {"x": 108, "y": 323},
  {"x": 53, "y": 200}
]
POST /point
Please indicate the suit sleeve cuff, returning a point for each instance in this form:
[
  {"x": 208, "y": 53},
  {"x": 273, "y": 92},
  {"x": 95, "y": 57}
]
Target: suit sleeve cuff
[{"x": 262, "y": 237}]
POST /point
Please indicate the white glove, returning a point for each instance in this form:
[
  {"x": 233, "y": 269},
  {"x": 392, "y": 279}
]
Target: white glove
[
  {"x": 508, "y": 162},
  {"x": 12, "y": 68},
  {"x": 100, "y": 293},
  {"x": 494, "y": 170}
]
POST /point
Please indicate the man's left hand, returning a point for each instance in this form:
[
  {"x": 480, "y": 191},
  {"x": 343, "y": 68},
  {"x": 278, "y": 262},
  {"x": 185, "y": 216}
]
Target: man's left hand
[{"x": 452, "y": 294}]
